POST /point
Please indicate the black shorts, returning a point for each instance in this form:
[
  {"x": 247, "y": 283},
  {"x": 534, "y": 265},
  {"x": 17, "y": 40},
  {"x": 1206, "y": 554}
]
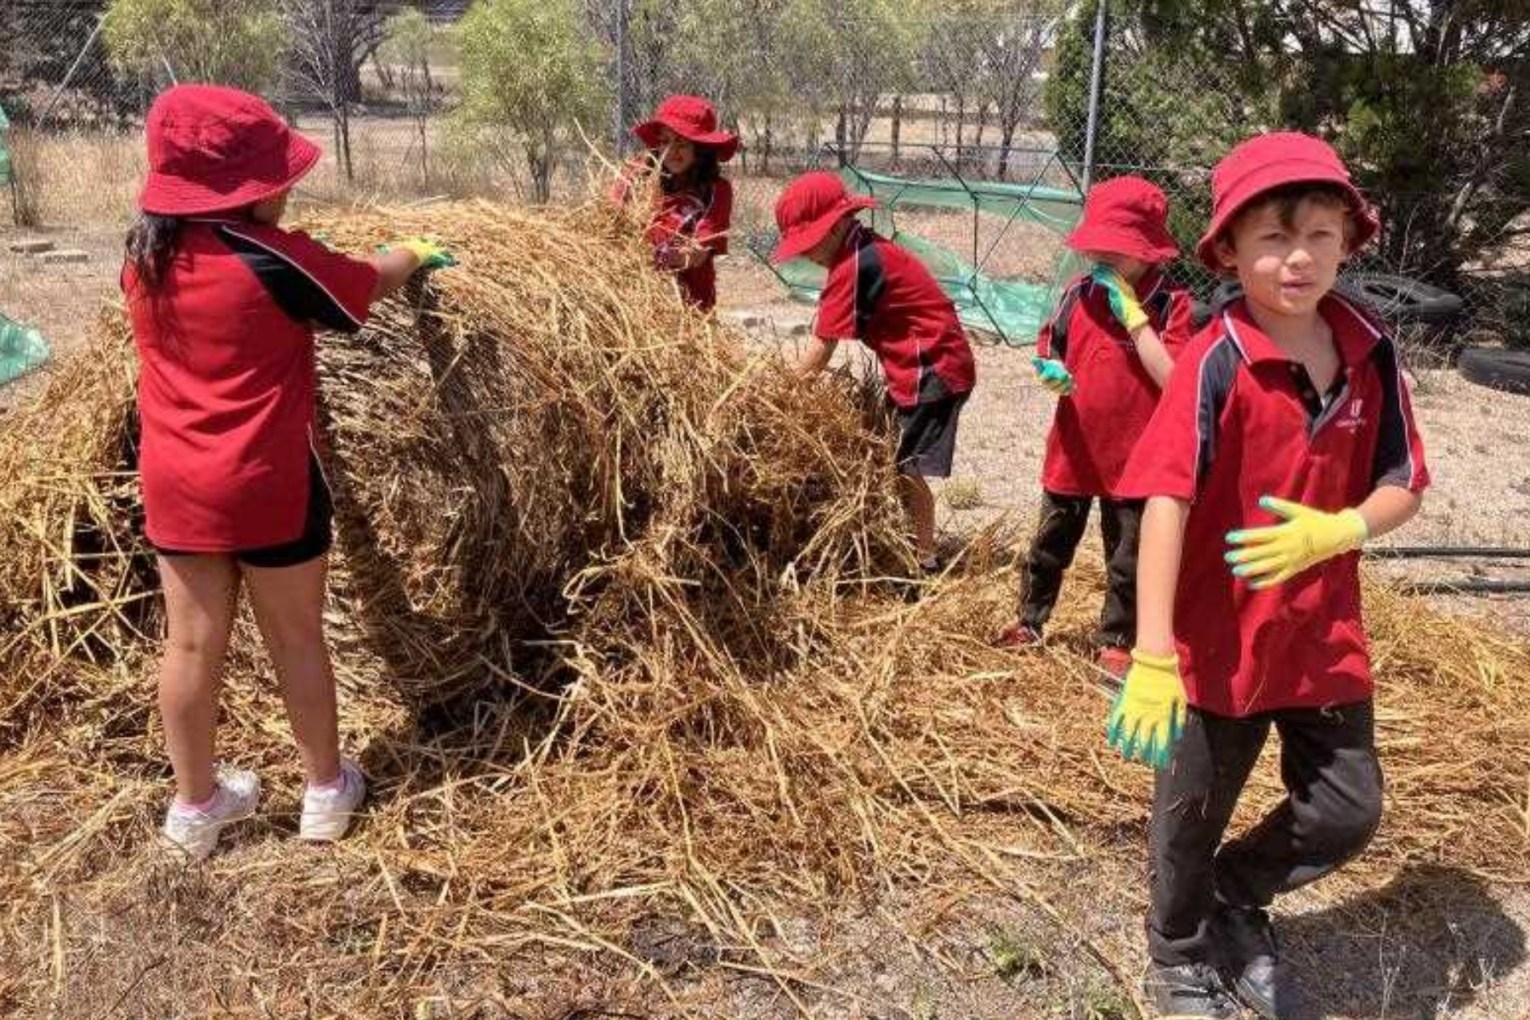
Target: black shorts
[
  {"x": 927, "y": 437},
  {"x": 315, "y": 541}
]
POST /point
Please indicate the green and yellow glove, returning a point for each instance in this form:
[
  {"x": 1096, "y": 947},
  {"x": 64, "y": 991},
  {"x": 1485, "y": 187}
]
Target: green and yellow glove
[
  {"x": 430, "y": 254},
  {"x": 1054, "y": 375},
  {"x": 1122, "y": 297},
  {"x": 1149, "y": 714},
  {"x": 1265, "y": 557}
]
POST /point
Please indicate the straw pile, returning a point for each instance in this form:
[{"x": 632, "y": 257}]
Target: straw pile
[{"x": 617, "y": 641}]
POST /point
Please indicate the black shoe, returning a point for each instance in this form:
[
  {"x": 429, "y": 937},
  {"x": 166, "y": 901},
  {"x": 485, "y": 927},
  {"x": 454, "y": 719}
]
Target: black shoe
[
  {"x": 1252, "y": 964},
  {"x": 1191, "y": 990}
]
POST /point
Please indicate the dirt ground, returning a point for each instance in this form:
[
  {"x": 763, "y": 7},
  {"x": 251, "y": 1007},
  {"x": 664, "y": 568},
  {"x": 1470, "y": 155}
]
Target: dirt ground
[{"x": 1435, "y": 942}]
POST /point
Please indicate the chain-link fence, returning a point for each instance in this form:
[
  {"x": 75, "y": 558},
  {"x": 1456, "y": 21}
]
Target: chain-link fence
[{"x": 514, "y": 98}]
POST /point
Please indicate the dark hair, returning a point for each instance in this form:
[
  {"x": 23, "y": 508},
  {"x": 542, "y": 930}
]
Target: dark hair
[
  {"x": 151, "y": 245},
  {"x": 706, "y": 170},
  {"x": 1288, "y": 197}
]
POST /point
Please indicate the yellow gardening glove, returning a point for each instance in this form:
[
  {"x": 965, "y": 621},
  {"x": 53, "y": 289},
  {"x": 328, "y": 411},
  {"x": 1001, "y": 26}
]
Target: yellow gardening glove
[
  {"x": 1149, "y": 713},
  {"x": 1265, "y": 557},
  {"x": 430, "y": 254},
  {"x": 1122, "y": 297}
]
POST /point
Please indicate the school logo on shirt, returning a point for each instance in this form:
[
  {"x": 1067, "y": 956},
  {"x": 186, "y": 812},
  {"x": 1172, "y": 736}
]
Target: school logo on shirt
[{"x": 1353, "y": 417}]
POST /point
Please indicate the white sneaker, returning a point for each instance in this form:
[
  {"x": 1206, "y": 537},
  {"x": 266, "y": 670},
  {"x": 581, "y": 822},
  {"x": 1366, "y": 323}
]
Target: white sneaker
[
  {"x": 327, "y": 814},
  {"x": 195, "y": 832}
]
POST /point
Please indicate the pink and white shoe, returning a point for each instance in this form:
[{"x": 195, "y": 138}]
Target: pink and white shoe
[
  {"x": 194, "y": 829},
  {"x": 328, "y": 811}
]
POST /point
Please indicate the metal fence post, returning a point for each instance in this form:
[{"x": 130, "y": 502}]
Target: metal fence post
[
  {"x": 619, "y": 128},
  {"x": 1096, "y": 77}
]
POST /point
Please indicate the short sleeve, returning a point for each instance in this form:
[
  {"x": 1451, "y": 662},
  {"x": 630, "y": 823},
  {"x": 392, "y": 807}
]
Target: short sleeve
[
  {"x": 1399, "y": 458},
  {"x": 1177, "y": 325},
  {"x": 307, "y": 280},
  {"x": 712, "y": 230},
  {"x": 1179, "y": 445},
  {"x": 837, "y": 318},
  {"x": 1052, "y": 340}
]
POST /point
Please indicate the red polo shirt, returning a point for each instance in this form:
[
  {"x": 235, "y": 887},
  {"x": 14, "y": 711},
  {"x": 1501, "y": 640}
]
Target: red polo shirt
[
  {"x": 1096, "y": 426},
  {"x": 880, "y": 294},
  {"x": 1240, "y": 420},
  {"x": 226, "y": 385},
  {"x": 702, "y": 217}
]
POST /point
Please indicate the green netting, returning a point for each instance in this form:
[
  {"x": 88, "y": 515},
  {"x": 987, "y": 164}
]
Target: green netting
[
  {"x": 22, "y": 348},
  {"x": 1010, "y": 309}
]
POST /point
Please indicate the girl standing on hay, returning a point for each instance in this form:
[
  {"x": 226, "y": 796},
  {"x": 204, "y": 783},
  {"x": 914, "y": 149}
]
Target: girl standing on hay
[
  {"x": 224, "y": 305},
  {"x": 1283, "y": 443},
  {"x": 880, "y": 294},
  {"x": 694, "y": 202}
]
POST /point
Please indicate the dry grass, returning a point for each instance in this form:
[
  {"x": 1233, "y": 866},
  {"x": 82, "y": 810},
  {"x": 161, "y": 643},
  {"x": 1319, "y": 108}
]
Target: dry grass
[{"x": 641, "y": 581}]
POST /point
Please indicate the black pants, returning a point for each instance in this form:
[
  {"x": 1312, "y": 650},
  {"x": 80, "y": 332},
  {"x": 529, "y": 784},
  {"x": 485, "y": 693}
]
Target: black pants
[
  {"x": 1063, "y": 519},
  {"x": 1332, "y": 807}
]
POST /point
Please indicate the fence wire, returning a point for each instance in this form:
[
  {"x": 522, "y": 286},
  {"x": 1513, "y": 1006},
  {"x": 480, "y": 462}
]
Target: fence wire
[{"x": 508, "y": 98}]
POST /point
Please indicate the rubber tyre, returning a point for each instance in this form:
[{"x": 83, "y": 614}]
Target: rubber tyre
[
  {"x": 1399, "y": 299},
  {"x": 1496, "y": 368}
]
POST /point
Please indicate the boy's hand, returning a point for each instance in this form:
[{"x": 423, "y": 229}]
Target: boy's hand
[
  {"x": 429, "y": 254},
  {"x": 1122, "y": 297},
  {"x": 1305, "y": 537},
  {"x": 1054, "y": 375},
  {"x": 1149, "y": 714}
]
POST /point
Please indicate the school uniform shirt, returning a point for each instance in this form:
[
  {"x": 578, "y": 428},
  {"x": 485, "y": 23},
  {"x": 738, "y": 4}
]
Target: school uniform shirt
[
  {"x": 1240, "y": 420},
  {"x": 878, "y": 293},
  {"x": 691, "y": 217},
  {"x": 226, "y": 386},
  {"x": 1096, "y": 426}
]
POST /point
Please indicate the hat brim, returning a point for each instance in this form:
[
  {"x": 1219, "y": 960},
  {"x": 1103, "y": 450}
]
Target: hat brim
[
  {"x": 1147, "y": 247},
  {"x": 724, "y": 142},
  {"x": 173, "y": 195},
  {"x": 807, "y": 236},
  {"x": 1279, "y": 174}
]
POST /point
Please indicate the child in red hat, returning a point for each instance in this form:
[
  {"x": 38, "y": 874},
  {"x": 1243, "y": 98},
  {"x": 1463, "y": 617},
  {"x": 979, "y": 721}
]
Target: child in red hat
[
  {"x": 880, "y": 294},
  {"x": 1106, "y": 352},
  {"x": 1284, "y": 442},
  {"x": 224, "y": 305},
  {"x": 689, "y": 227}
]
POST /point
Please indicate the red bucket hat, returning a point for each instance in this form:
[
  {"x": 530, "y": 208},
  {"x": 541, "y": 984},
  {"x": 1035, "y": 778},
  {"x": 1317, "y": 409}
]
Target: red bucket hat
[
  {"x": 1270, "y": 161},
  {"x": 1126, "y": 216},
  {"x": 212, "y": 149},
  {"x": 809, "y": 208},
  {"x": 689, "y": 117}
]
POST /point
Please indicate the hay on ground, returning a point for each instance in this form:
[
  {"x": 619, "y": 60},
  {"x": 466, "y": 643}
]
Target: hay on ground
[{"x": 618, "y": 639}]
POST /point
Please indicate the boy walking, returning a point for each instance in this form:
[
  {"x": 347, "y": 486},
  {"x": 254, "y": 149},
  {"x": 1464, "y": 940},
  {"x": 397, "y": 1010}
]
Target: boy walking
[
  {"x": 1106, "y": 353},
  {"x": 883, "y": 296},
  {"x": 1285, "y": 441}
]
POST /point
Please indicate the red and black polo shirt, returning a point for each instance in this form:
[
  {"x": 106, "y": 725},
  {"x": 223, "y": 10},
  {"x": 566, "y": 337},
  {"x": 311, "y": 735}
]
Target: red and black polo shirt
[
  {"x": 226, "y": 386},
  {"x": 702, "y": 217},
  {"x": 877, "y": 292},
  {"x": 1240, "y": 420},
  {"x": 1096, "y": 426}
]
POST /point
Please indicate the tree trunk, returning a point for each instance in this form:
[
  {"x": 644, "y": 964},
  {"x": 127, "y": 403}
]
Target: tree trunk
[
  {"x": 961, "y": 116},
  {"x": 840, "y": 128},
  {"x": 897, "y": 124},
  {"x": 1007, "y": 139},
  {"x": 765, "y": 149}
]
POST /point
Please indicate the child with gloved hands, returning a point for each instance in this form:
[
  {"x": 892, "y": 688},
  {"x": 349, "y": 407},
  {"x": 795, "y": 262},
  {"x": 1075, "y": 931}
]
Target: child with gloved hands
[
  {"x": 1283, "y": 442},
  {"x": 225, "y": 305},
  {"x": 1106, "y": 353}
]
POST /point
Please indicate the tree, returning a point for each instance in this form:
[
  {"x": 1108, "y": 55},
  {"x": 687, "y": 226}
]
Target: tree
[
  {"x": 530, "y": 77},
  {"x": 230, "y": 42},
  {"x": 406, "y": 53},
  {"x": 845, "y": 54},
  {"x": 1425, "y": 99},
  {"x": 331, "y": 40},
  {"x": 1011, "y": 54}
]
